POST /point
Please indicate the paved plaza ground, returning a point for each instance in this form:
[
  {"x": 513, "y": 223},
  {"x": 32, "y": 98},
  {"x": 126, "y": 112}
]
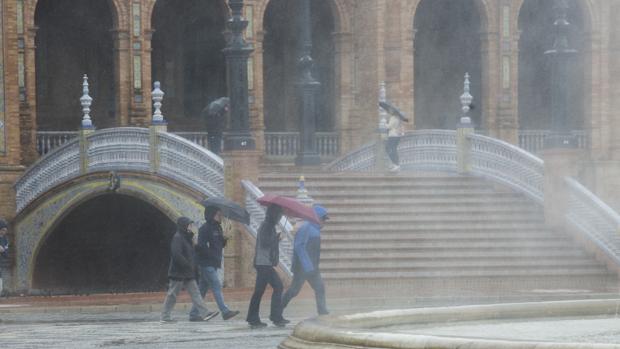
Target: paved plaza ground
[{"x": 132, "y": 320}]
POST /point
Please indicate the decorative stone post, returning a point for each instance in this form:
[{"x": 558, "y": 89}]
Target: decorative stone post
[
  {"x": 561, "y": 155},
  {"x": 240, "y": 154},
  {"x": 237, "y": 53},
  {"x": 307, "y": 155},
  {"x": 302, "y": 192},
  {"x": 560, "y": 57},
  {"x": 158, "y": 124},
  {"x": 381, "y": 135},
  {"x": 464, "y": 130},
  {"x": 87, "y": 125}
]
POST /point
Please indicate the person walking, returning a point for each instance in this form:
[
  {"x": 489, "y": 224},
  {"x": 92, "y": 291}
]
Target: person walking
[
  {"x": 4, "y": 247},
  {"x": 306, "y": 256},
  {"x": 215, "y": 118},
  {"x": 211, "y": 243},
  {"x": 395, "y": 131},
  {"x": 266, "y": 257},
  {"x": 182, "y": 272}
]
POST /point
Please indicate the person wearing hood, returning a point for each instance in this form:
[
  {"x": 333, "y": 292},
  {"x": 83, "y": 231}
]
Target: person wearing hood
[
  {"x": 211, "y": 243},
  {"x": 4, "y": 246},
  {"x": 182, "y": 272},
  {"x": 306, "y": 256},
  {"x": 266, "y": 258}
]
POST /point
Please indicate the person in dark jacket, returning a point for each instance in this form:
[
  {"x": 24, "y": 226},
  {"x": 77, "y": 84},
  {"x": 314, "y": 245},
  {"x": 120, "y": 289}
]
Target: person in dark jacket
[
  {"x": 211, "y": 243},
  {"x": 4, "y": 247},
  {"x": 266, "y": 258},
  {"x": 215, "y": 118},
  {"x": 182, "y": 271},
  {"x": 306, "y": 256}
]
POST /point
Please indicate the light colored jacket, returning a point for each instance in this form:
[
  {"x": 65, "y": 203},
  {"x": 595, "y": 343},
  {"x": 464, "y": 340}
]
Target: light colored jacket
[{"x": 395, "y": 127}]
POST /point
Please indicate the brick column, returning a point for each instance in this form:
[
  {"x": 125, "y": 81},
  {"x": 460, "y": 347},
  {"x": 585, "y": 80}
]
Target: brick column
[
  {"x": 343, "y": 43},
  {"x": 239, "y": 252},
  {"x": 122, "y": 76}
]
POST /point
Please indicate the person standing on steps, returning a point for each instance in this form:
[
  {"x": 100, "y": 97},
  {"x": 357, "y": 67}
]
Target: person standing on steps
[
  {"x": 266, "y": 258},
  {"x": 395, "y": 132},
  {"x": 182, "y": 272},
  {"x": 211, "y": 243},
  {"x": 215, "y": 118},
  {"x": 306, "y": 256},
  {"x": 4, "y": 246}
]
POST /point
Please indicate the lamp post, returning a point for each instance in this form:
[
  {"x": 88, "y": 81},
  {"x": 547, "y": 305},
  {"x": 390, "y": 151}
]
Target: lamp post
[
  {"x": 307, "y": 155},
  {"x": 560, "y": 56},
  {"x": 237, "y": 53}
]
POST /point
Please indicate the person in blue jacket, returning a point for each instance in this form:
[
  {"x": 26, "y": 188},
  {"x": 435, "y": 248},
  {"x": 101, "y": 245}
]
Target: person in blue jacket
[{"x": 306, "y": 256}]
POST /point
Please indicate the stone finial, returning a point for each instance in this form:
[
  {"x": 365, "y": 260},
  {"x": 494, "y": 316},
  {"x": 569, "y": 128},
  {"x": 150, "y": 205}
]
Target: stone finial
[
  {"x": 86, "y": 102},
  {"x": 158, "y": 96},
  {"x": 466, "y": 99},
  {"x": 302, "y": 192},
  {"x": 382, "y": 112}
]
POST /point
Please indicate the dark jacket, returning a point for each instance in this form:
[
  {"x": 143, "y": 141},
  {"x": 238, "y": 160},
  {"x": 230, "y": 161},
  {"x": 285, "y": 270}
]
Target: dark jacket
[
  {"x": 4, "y": 242},
  {"x": 307, "y": 248},
  {"x": 214, "y": 121},
  {"x": 210, "y": 245},
  {"x": 267, "y": 245},
  {"x": 182, "y": 257}
]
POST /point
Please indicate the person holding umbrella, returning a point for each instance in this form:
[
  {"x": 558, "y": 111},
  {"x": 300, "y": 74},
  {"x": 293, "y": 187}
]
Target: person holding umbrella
[
  {"x": 306, "y": 256},
  {"x": 395, "y": 131},
  {"x": 215, "y": 118},
  {"x": 211, "y": 243},
  {"x": 267, "y": 255}
]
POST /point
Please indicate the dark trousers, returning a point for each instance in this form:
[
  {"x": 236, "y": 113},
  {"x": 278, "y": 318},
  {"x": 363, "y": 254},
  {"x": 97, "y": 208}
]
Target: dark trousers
[
  {"x": 315, "y": 281},
  {"x": 391, "y": 148},
  {"x": 266, "y": 275},
  {"x": 215, "y": 143}
]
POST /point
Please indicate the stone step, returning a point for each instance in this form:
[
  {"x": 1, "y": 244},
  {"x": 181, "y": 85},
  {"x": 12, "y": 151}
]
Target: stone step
[
  {"x": 448, "y": 253},
  {"x": 370, "y": 245},
  {"x": 431, "y": 226},
  {"x": 338, "y": 210},
  {"x": 456, "y": 264},
  {"x": 512, "y": 272},
  {"x": 439, "y": 218},
  {"x": 348, "y": 236}
]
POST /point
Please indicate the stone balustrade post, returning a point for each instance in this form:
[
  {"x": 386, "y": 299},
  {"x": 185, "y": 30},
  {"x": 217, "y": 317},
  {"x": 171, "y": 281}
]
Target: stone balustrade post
[
  {"x": 464, "y": 130},
  {"x": 87, "y": 125},
  {"x": 158, "y": 124}
]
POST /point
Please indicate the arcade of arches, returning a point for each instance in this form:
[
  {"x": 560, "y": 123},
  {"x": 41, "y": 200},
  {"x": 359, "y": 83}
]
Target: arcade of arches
[{"x": 421, "y": 49}]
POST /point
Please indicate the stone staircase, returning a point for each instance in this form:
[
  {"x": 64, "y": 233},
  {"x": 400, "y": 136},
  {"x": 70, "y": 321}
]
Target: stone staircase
[{"x": 430, "y": 234}]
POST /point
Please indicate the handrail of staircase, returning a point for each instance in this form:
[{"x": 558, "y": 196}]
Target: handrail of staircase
[
  {"x": 508, "y": 164},
  {"x": 257, "y": 215},
  {"x": 433, "y": 150},
  {"x": 125, "y": 149},
  {"x": 590, "y": 215},
  {"x": 57, "y": 166}
]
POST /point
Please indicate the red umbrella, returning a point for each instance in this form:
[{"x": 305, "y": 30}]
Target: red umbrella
[{"x": 290, "y": 207}]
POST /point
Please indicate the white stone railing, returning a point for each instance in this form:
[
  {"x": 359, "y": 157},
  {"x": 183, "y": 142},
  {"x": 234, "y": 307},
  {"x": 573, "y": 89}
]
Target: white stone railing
[
  {"x": 508, "y": 164},
  {"x": 433, "y": 150},
  {"x": 48, "y": 140},
  {"x": 58, "y": 166},
  {"x": 124, "y": 149},
  {"x": 590, "y": 215},
  {"x": 257, "y": 215},
  {"x": 534, "y": 140},
  {"x": 286, "y": 144}
]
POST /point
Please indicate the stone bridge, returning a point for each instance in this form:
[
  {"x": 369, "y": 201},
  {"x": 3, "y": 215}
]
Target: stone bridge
[{"x": 166, "y": 171}]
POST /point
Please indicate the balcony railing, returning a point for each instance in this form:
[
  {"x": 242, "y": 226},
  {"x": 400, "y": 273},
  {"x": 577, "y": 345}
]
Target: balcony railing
[
  {"x": 278, "y": 145},
  {"x": 534, "y": 140}
]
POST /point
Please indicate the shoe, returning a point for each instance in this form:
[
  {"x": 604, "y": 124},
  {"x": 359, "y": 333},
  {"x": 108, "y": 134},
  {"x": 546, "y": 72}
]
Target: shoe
[
  {"x": 257, "y": 324},
  {"x": 230, "y": 314},
  {"x": 280, "y": 322},
  {"x": 196, "y": 319},
  {"x": 167, "y": 321},
  {"x": 211, "y": 315},
  {"x": 395, "y": 168}
]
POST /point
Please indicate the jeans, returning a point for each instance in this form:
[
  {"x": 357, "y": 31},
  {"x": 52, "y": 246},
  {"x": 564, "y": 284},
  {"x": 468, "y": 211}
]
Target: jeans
[
  {"x": 391, "y": 148},
  {"x": 315, "y": 281},
  {"x": 209, "y": 279},
  {"x": 266, "y": 274},
  {"x": 174, "y": 288}
]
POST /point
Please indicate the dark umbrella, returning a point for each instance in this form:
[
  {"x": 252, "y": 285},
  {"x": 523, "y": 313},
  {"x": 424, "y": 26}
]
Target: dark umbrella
[
  {"x": 290, "y": 207},
  {"x": 229, "y": 209},
  {"x": 388, "y": 107},
  {"x": 218, "y": 105}
]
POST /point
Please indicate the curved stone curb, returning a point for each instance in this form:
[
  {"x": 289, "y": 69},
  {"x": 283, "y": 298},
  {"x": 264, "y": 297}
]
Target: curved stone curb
[{"x": 364, "y": 330}]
